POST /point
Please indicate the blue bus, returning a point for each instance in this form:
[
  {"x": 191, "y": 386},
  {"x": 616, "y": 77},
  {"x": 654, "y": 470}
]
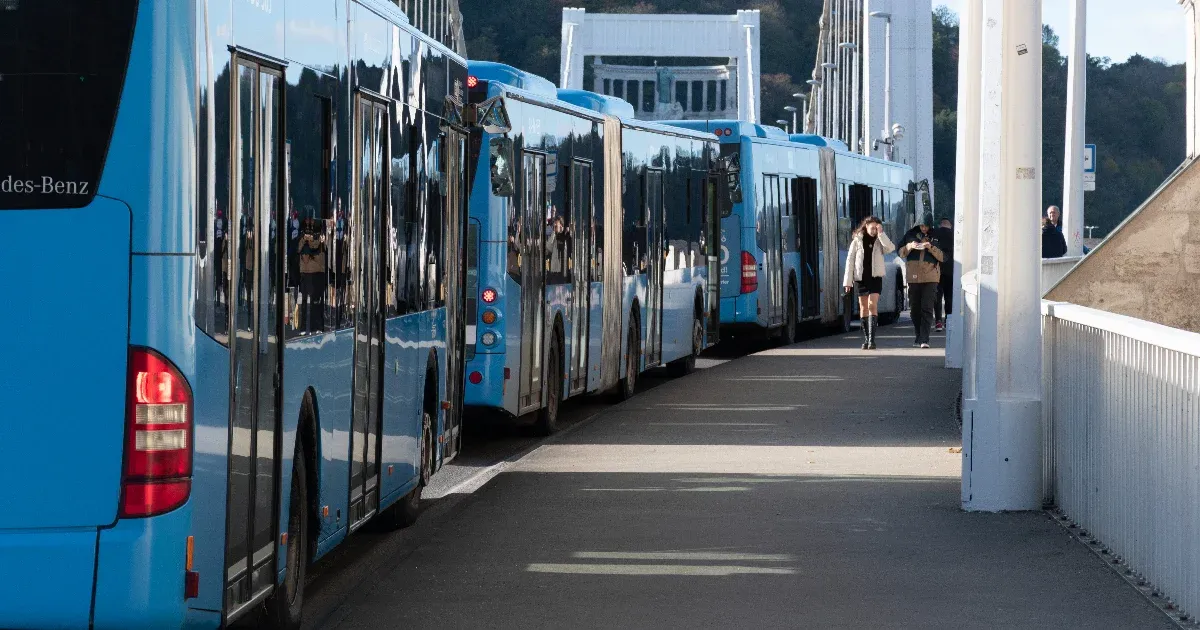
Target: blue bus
[
  {"x": 590, "y": 246},
  {"x": 269, "y": 199},
  {"x": 784, "y": 238}
]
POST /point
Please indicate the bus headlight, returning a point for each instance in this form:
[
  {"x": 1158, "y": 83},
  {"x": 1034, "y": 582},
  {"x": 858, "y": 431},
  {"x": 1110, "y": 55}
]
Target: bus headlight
[{"x": 488, "y": 338}]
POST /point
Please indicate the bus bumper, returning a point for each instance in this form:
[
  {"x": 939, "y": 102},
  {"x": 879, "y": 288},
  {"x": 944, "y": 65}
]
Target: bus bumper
[
  {"x": 740, "y": 309},
  {"x": 140, "y": 572},
  {"x": 489, "y": 391},
  {"x": 130, "y": 575},
  {"x": 46, "y": 576}
]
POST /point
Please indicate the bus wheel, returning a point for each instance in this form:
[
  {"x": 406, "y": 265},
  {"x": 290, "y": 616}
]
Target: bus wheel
[
  {"x": 788, "y": 336},
  {"x": 848, "y": 312},
  {"x": 687, "y": 365},
  {"x": 629, "y": 382},
  {"x": 284, "y": 606},
  {"x": 404, "y": 512},
  {"x": 547, "y": 416}
]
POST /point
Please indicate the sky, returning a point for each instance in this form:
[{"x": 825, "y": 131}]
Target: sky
[{"x": 1118, "y": 28}]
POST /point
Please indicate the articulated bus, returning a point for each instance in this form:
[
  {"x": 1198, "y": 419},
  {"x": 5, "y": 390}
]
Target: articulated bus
[
  {"x": 590, "y": 246},
  {"x": 784, "y": 240},
  {"x": 256, "y": 209}
]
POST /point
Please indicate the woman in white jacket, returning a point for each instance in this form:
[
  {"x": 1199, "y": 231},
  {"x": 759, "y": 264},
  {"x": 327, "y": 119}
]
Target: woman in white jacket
[{"x": 864, "y": 271}]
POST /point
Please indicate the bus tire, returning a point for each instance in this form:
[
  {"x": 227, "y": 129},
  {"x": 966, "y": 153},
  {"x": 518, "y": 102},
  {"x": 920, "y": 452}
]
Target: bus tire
[
  {"x": 847, "y": 323},
  {"x": 787, "y": 334},
  {"x": 285, "y": 606},
  {"x": 687, "y": 365},
  {"x": 888, "y": 319},
  {"x": 404, "y": 513},
  {"x": 547, "y": 416},
  {"x": 628, "y": 385}
]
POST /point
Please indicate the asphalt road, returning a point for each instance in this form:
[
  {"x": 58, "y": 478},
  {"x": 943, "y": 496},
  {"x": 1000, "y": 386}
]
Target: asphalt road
[{"x": 810, "y": 486}]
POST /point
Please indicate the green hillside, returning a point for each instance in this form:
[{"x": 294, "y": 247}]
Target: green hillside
[{"x": 1135, "y": 109}]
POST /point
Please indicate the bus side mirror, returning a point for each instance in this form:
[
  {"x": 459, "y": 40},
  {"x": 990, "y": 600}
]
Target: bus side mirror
[
  {"x": 501, "y": 151},
  {"x": 734, "y": 184}
]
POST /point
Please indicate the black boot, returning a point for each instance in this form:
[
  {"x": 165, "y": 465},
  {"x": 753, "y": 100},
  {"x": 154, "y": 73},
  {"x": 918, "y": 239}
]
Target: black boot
[
  {"x": 872, "y": 326},
  {"x": 865, "y": 324}
]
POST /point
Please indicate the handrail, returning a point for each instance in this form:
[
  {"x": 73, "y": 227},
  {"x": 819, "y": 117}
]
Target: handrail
[{"x": 1183, "y": 341}]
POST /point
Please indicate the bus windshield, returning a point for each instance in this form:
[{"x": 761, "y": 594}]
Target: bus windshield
[{"x": 62, "y": 66}]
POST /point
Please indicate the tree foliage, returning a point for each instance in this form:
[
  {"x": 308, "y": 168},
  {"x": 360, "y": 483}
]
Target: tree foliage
[
  {"x": 1135, "y": 117},
  {"x": 1135, "y": 109}
]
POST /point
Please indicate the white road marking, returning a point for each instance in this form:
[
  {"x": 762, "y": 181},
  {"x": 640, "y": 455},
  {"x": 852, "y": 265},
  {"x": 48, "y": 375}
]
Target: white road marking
[{"x": 656, "y": 569}]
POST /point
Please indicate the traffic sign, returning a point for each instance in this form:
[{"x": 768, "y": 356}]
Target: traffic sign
[
  {"x": 1089, "y": 158},
  {"x": 1089, "y": 177},
  {"x": 1089, "y": 186}
]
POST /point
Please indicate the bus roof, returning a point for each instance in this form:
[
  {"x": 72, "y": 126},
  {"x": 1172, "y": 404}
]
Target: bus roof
[
  {"x": 508, "y": 75},
  {"x": 818, "y": 141},
  {"x": 601, "y": 103}
]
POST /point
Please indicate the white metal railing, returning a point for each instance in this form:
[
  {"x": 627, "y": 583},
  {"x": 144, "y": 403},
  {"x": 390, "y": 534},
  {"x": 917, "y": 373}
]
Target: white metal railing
[
  {"x": 1053, "y": 270},
  {"x": 1121, "y": 402}
]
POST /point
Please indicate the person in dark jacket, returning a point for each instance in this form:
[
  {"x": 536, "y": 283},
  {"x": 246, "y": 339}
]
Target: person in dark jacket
[
  {"x": 943, "y": 237},
  {"x": 1053, "y": 243},
  {"x": 923, "y": 268}
]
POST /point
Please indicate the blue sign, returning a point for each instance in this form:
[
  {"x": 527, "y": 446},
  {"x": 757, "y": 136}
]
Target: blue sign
[{"x": 1089, "y": 158}]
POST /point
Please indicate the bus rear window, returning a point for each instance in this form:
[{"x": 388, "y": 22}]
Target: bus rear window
[{"x": 62, "y": 66}]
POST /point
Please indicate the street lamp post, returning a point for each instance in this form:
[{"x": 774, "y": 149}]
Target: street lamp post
[
  {"x": 818, "y": 96},
  {"x": 803, "y": 111},
  {"x": 782, "y": 123},
  {"x": 887, "y": 76},
  {"x": 828, "y": 113},
  {"x": 792, "y": 109}
]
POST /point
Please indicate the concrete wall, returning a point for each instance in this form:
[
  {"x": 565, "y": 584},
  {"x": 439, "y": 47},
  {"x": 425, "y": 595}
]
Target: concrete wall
[{"x": 1149, "y": 267}]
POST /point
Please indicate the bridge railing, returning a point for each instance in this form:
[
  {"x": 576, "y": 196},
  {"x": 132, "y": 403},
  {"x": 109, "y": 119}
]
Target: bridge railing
[{"x": 1121, "y": 401}]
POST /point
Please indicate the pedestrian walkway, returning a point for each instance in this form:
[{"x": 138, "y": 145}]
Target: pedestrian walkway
[{"x": 813, "y": 486}]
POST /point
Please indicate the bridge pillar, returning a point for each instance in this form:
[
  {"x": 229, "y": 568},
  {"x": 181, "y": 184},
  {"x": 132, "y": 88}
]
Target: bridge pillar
[
  {"x": 966, "y": 185},
  {"x": 1002, "y": 427}
]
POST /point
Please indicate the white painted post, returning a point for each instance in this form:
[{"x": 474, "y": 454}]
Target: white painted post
[
  {"x": 887, "y": 85},
  {"x": 1191, "y": 18},
  {"x": 571, "y": 55},
  {"x": 856, "y": 82},
  {"x": 966, "y": 185},
  {"x": 1002, "y": 421},
  {"x": 1072, "y": 220}
]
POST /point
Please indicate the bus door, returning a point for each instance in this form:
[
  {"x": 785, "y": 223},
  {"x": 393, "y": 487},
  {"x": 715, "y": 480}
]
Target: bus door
[
  {"x": 654, "y": 219},
  {"x": 533, "y": 275},
  {"x": 581, "y": 215},
  {"x": 711, "y": 249},
  {"x": 370, "y": 182},
  {"x": 804, "y": 209},
  {"x": 256, "y": 303},
  {"x": 770, "y": 233},
  {"x": 455, "y": 153}
]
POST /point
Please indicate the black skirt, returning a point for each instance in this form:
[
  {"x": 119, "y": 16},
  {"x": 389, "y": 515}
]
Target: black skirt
[{"x": 868, "y": 285}]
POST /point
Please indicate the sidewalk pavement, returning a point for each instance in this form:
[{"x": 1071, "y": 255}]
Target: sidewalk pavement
[{"x": 813, "y": 486}]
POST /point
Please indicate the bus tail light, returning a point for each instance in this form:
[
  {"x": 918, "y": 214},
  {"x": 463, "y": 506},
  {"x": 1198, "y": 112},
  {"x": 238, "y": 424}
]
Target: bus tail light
[
  {"x": 158, "y": 437},
  {"x": 749, "y": 273}
]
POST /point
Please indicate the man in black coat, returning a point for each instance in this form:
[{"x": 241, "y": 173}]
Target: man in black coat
[
  {"x": 1053, "y": 243},
  {"x": 943, "y": 305}
]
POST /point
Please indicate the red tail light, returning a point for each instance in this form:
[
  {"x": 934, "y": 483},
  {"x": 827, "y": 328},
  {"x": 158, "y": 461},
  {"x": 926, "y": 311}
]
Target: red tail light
[
  {"x": 158, "y": 437},
  {"x": 749, "y": 273}
]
